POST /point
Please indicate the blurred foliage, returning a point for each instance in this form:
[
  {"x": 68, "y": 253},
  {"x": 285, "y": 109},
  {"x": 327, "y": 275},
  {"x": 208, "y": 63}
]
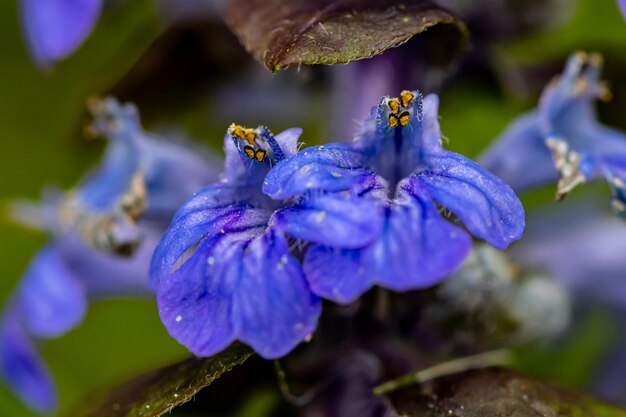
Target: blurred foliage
[{"x": 42, "y": 116}]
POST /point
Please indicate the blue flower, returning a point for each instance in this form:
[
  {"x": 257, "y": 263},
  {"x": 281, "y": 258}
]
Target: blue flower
[
  {"x": 103, "y": 234},
  {"x": 622, "y": 7},
  {"x": 562, "y": 140},
  {"x": 396, "y": 177},
  {"x": 56, "y": 28},
  {"x": 222, "y": 271},
  {"x": 582, "y": 247}
]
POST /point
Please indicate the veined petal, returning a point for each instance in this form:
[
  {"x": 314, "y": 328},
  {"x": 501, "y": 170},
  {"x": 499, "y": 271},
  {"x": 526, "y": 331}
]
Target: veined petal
[
  {"x": 249, "y": 289},
  {"x": 51, "y": 300},
  {"x": 416, "y": 249},
  {"x": 207, "y": 213},
  {"x": 521, "y": 146},
  {"x": 333, "y": 167},
  {"x": 340, "y": 219},
  {"x": 195, "y": 307},
  {"x": 55, "y": 28},
  {"x": 488, "y": 207},
  {"x": 22, "y": 368},
  {"x": 273, "y": 306}
]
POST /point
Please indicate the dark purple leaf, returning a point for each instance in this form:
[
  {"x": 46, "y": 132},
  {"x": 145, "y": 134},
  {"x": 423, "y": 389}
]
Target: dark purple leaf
[
  {"x": 158, "y": 392},
  {"x": 280, "y": 33},
  {"x": 496, "y": 392}
]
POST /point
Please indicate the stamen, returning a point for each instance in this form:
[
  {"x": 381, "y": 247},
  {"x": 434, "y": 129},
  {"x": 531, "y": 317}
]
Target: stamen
[
  {"x": 407, "y": 97},
  {"x": 394, "y": 105},
  {"x": 248, "y": 135},
  {"x": 393, "y": 120},
  {"x": 567, "y": 163},
  {"x": 404, "y": 118}
]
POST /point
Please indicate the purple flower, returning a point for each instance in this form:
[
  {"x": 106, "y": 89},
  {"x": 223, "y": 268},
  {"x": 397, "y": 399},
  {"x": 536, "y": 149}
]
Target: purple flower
[
  {"x": 562, "y": 140},
  {"x": 56, "y": 28},
  {"x": 390, "y": 181},
  {"x": 222, "y": 270},
  {"x": 622, "y": 7},
  {"x": 103, "y": 234},
  {"x": 582, "y": 248}
]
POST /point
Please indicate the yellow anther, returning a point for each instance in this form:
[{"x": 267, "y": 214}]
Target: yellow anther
[
  {"x": 394, "y": 105},
  {"x": 582, "y": 56},
  {"x": 393, "y": 120},
  {"x": 604, "y": 92},
  {"x": 596, "y": 59},
  {"x": 249, "y": 150},
  {"x": 260, "y": 154},
  {"x": 404, "y": 118},
  {"x": 407, "y": 97},
  {"x": 249, "y": 135}
]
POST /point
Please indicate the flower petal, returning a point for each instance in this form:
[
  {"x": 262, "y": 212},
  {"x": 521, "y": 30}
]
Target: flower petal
[
  {"x": 333, "y": 167},
  {"x": 195, "y": 307},
  {"x": 22, "y": 368},
  {"x": 521, "y": 146},
  {"x": 488, "y": 207},
  {"x": 249, "y": 289},
  {"x": 55, "y": 28},
  {"x": 207, "y": 213},
  {"x": 336, "y": 219},
  {"x": 51, "y": 300},
  {"x": 614, "y": 169},
  {"x": 274, "y": 307},
  {"x": 288, "y": 141},
  {"x": 417, "y": 248}
]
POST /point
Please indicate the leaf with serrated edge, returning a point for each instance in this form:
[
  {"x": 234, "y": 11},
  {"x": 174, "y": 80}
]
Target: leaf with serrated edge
[
  {"x": 280, "y": 33},
  {"x": 158, "y": 392}
]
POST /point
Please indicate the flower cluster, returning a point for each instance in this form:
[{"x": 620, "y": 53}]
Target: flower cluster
[
  {"x": 562, "y": 139},
  {"x": 102, "y": 235},
  {"x": 248, "y": 257}
]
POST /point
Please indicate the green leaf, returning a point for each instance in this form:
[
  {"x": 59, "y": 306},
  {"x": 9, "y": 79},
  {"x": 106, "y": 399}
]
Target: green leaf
[
  {"x": 280, "y": 33},
  {"x": 158, "y": 392},
  {"x": 496, "y": 392}
]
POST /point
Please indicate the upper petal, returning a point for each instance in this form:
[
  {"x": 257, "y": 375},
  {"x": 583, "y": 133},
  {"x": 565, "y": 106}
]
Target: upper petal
[
  {"x": 417, "y": 248},
  {"x": 288, "y": 141},
  {"x": 55, "y": 28},
  {"x": 341, "y": 219},
  {"x": 333, "y": 167},
  {"x": 488, "y": 207},
  {"x": 51, "y": 300},
  {"x": 22, "y": 368}
]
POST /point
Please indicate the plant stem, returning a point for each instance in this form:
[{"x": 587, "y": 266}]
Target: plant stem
[{"x": 482, "y": 360}]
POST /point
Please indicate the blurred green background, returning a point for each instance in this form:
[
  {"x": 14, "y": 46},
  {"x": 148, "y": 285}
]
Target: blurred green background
[{"x": 176, "y": 73}]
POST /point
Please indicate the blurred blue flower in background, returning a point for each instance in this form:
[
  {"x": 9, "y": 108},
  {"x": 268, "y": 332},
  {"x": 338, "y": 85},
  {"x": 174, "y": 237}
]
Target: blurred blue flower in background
[
  {"x": 103, "y": 234},
  {"x": 562, "y": 139},
  {"x": 56, "y": 28},
  {"x": 398, "y": 172},
  {"x": 582, "y": 248},
  {"x": 222, "y": 270}
]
